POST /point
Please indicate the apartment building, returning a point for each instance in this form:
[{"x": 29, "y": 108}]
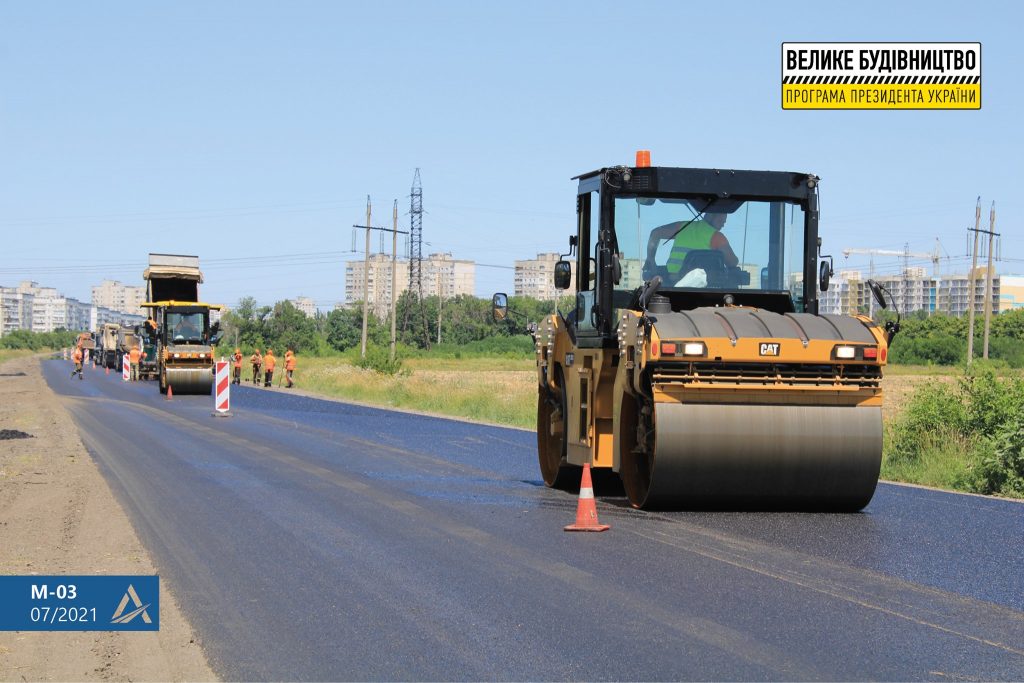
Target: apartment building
[
  {"x": 442, "y": 275},
  {"x": 15, "y": 310},
  {"x": 43, "y": 309},
  {"x": 306, "y": 305},
  {"x": 536, "y": 277},
  {"x": 912, "y": 291},
  {"x": 118, "y": 297}
]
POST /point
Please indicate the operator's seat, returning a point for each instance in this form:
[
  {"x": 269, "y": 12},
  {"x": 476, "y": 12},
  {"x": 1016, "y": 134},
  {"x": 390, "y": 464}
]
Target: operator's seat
[{"x": 712, "y": 262}]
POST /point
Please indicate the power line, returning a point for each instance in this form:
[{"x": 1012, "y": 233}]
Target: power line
[{"x": 182, "y": 214}]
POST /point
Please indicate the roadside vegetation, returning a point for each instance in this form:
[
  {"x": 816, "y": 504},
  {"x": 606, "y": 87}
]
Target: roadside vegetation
[
  {"x": 38, "y": 341},
  {"x": 966, "y": 435},
  {"x": 498, "y": 390},
  {"x": 22, "y": 343},
  {"x": 941, "y": 340}
]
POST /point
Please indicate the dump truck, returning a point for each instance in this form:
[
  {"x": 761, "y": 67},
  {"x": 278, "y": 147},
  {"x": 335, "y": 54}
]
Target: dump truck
[
  {"x": 695, "y": 364},
  {"x": 148, "y": 367},
  {"x": 126, "y": 341},
  {"x": 184, "y": 335},
  {"x": 86, "y": 341},
  {"x": 106, "y": 350}
]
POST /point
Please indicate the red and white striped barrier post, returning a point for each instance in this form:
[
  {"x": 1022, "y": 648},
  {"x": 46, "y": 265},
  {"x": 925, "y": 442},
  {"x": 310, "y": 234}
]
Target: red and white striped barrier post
[
  {"x": 126, "y": 367},
  {"x": 222, "y": 389},
  {"x": 65, "y": 354}
]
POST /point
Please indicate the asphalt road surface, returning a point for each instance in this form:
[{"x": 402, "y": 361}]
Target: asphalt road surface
[{"x": 309, "y": 539}]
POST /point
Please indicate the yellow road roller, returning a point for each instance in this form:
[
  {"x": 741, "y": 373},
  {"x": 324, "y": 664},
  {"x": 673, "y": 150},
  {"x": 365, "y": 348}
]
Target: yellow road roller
[
  {"x": 695, "y": 363},
  {"x": 180, "y": 324}
]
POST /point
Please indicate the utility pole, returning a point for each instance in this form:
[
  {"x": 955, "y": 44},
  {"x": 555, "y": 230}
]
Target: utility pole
[
  {"x": 439, "y": 300},
  {"x": 394, "y": 267},
  {"x": 366, "y": 278},
  {"x": 394, "y": 279},
  {"x": 970, "y": 286},
  {"x": 989, "y": 277}
]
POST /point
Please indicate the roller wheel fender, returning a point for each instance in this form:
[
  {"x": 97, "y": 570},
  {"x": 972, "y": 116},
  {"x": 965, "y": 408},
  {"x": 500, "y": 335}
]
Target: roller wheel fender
[{"x": 551, "y": 448}]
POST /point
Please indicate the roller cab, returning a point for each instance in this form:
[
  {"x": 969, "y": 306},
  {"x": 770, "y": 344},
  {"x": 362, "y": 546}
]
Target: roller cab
[{"x": 695, "y": 365}]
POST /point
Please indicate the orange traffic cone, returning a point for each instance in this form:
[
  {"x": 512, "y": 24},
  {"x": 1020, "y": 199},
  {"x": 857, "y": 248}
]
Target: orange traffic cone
[
  {"x": 108, "y": 369},
  {"x": 170, "y": 392},
  {"x": 586, "y": 510}
]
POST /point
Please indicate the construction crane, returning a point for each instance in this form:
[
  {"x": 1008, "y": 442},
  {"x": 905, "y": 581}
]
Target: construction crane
[{"x": 907, "y": 255}]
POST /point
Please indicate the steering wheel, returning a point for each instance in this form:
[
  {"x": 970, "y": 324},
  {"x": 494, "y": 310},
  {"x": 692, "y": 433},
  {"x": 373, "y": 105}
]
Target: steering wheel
[{"x": 651, "y": 269}]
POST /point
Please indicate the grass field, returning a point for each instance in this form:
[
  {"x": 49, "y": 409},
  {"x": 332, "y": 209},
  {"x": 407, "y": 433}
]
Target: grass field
[
  {"x": 503, "y": 390},
  {"x": 498, "y": 390}
]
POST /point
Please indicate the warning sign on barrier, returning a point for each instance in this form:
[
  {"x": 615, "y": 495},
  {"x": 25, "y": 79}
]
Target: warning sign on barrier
[
  {"x": 126, "y": 368},
  {"x": 222, "y": 393},
  {"x": 881, "y": 75}
]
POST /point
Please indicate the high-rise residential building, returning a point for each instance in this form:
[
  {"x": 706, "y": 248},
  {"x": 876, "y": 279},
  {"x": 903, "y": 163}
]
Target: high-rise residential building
[
  {"x": 43, "y": 309},
  {"x": 118, "y": 297},
  {"x": 378, "y": 284},
  {"x": 448, "y": 277},
  {"x": 848, "y": 293},
  {"x": 536, "y": 277},
  {"x": 441, "y": 274},
  {"x": 15, "y": 310},
  {"x": 306, "y": 305},
  {"x": 51, "y": 310}
]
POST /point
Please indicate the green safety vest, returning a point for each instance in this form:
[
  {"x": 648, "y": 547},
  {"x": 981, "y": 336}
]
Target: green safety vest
[{"x": 696, "y": 235}]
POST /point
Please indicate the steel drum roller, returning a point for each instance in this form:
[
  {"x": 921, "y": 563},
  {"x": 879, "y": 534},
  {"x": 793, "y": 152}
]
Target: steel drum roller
[
  {"x": 788, "y": 457},
  {"x": 190, "y": 380}
]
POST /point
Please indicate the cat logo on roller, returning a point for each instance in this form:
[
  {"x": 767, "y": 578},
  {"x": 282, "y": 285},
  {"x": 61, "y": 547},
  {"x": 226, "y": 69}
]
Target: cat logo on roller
[{"x": 769, "y": 349}]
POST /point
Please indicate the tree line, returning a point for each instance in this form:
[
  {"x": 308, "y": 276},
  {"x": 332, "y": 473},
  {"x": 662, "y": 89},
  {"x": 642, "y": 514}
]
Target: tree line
[
  {"x": 466, "y": 320},
  {"x": 38, "y": 341},
  {"x": 941, "y": 339},
  {"x": 463, "y": 320}
]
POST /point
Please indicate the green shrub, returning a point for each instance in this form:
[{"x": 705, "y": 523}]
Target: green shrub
[
  {"x": 969, "y": 436},
  {"x": 999, "y": 465},
  {"x": 933, "y": 415},
  {"x": 990, "y": 401},
  {"x": 379, "y": 360}
]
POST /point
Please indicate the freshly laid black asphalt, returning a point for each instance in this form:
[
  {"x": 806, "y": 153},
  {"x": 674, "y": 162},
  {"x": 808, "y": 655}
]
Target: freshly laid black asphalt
[{"x": 318, "y": 540}]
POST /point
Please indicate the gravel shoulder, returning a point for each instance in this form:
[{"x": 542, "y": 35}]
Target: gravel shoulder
[{"x": 58, "y": 516}]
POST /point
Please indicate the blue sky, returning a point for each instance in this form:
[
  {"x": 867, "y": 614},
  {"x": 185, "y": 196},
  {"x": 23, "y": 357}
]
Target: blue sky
[{"x": 251, "y": 132}]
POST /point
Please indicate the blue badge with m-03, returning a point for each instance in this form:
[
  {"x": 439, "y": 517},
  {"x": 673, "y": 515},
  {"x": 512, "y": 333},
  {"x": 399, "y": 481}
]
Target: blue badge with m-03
[{"x": 79, "y": 603}]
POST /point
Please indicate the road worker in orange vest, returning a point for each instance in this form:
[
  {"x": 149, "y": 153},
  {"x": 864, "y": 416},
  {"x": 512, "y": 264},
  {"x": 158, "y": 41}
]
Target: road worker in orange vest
[
  {"x": 133, "y": 358},
  {"x": 236, "y": 359},
  {"x": 289, "y": 367},
  {"x": 76, "y": 357},
  {"x": 269, "y": 362},
  {"x": 257, "y": 362}
]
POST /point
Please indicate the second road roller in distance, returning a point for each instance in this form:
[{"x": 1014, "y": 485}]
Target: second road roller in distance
[
  {"x": 185, "y": 337},
  {"x": 695, "y": 363}
]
